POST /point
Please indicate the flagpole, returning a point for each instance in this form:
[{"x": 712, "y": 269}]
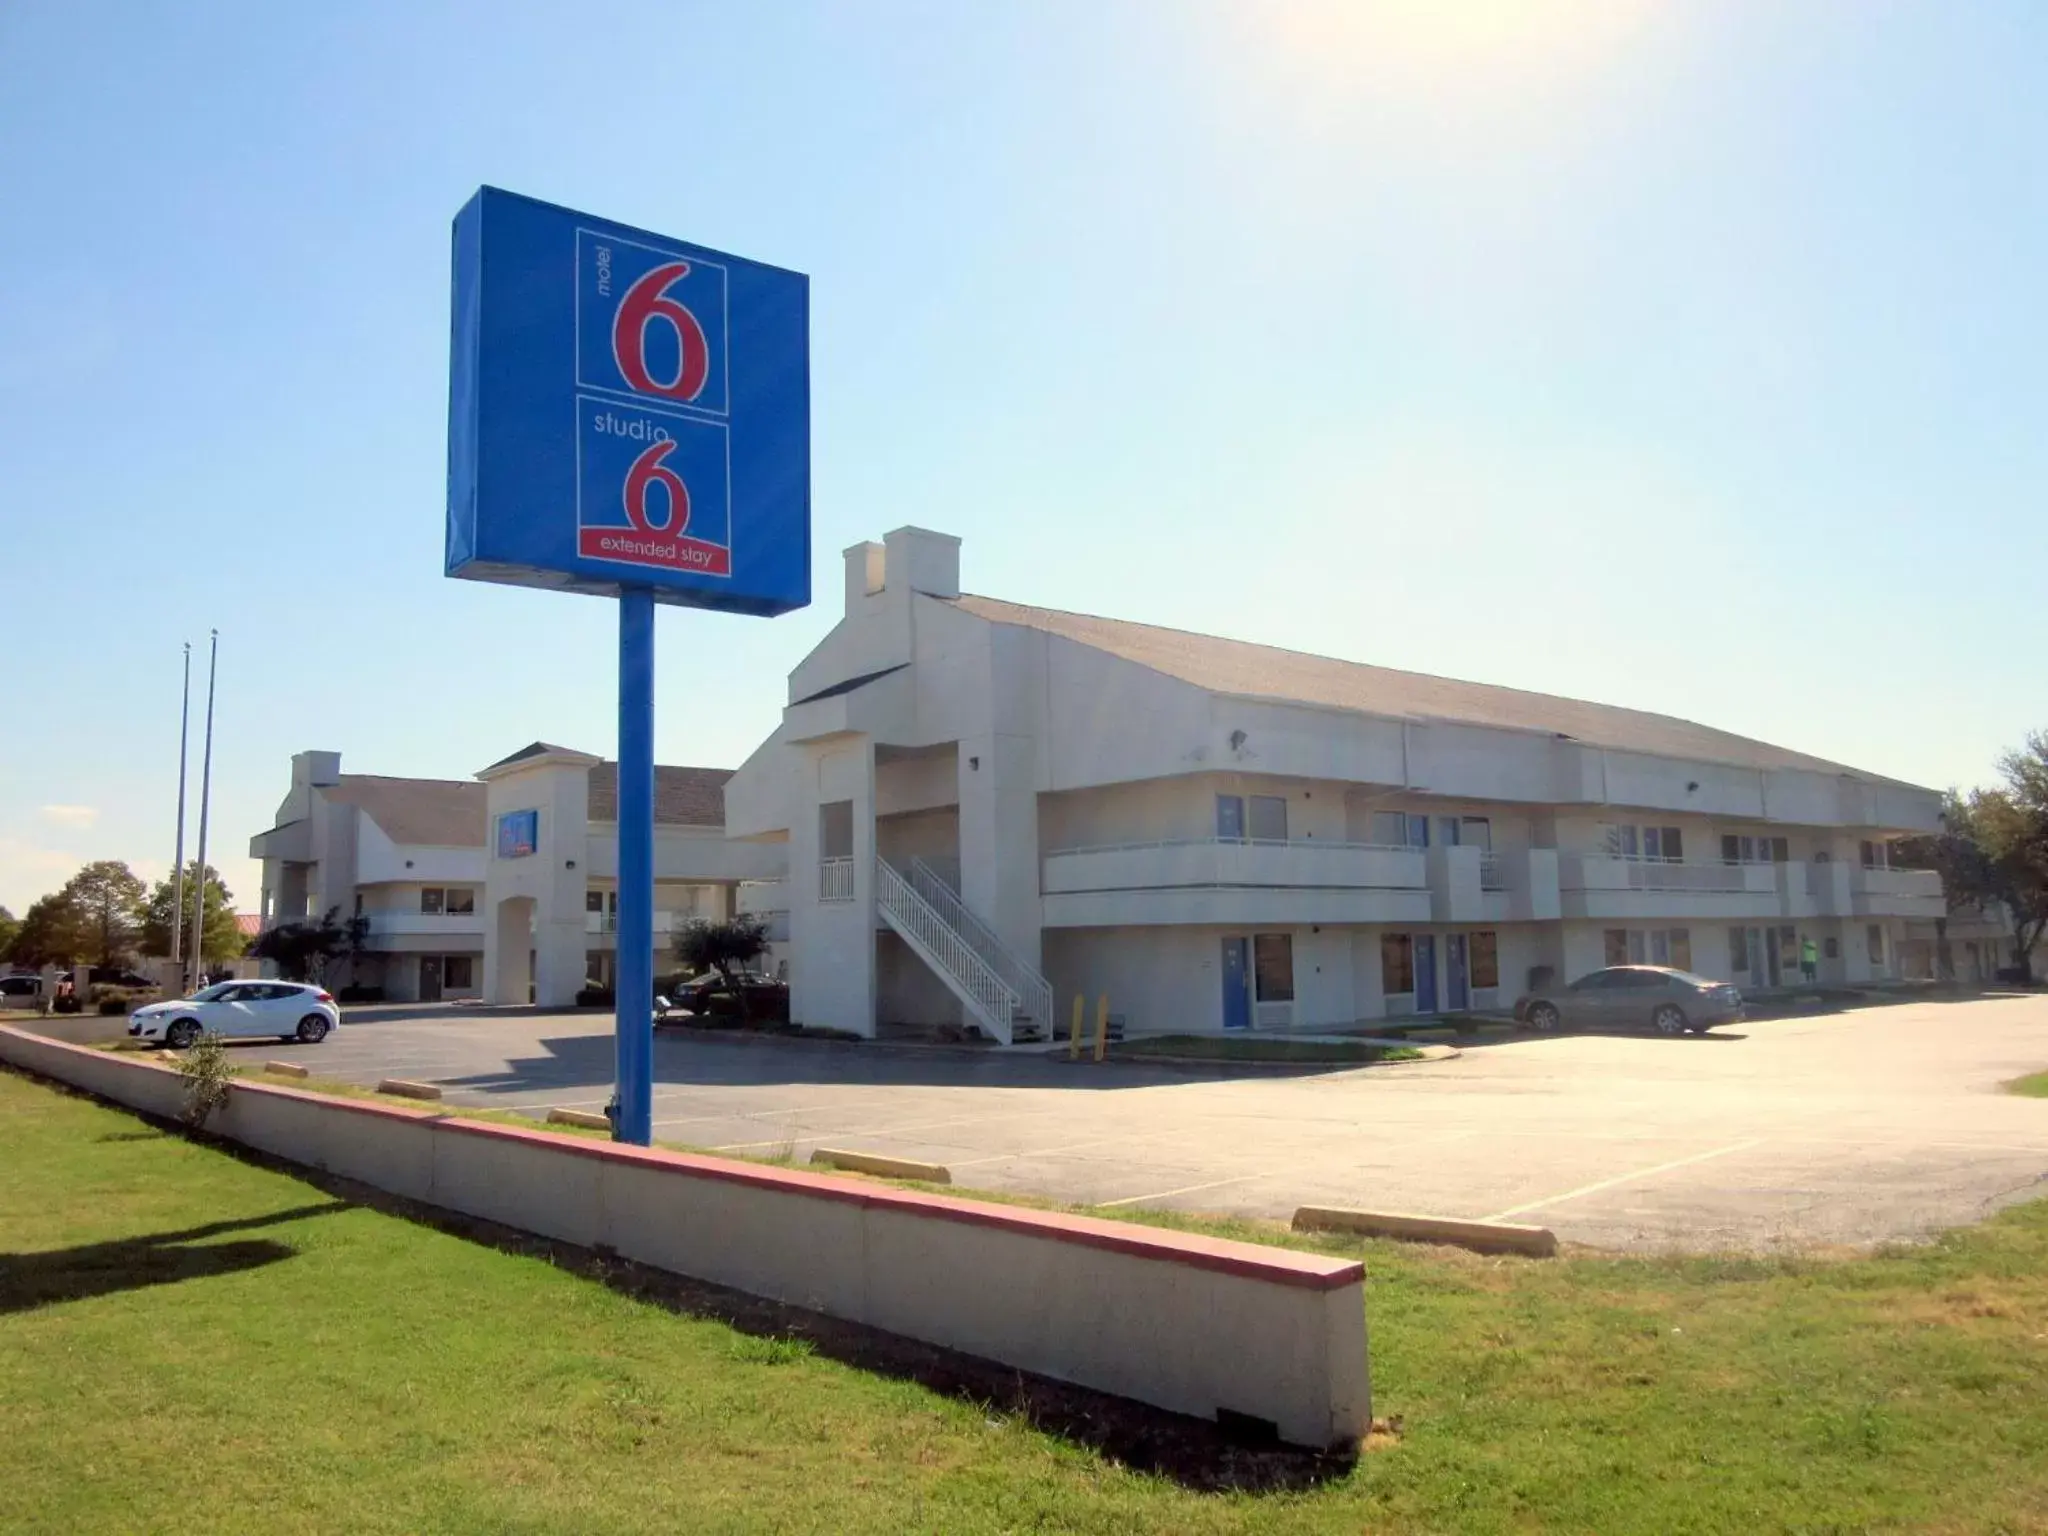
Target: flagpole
[
  {"x": 205, "y": 796},
  {"x": 178, "y": 864}
]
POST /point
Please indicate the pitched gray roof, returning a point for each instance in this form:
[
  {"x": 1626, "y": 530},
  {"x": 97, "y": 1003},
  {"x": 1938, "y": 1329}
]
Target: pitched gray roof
[
  {"x": 451, "y": 813},
  {"x": 1240, "y": 667},
  {"x": 440, "y": 813},
  {"x": 683, "y": 797},
  {"x": 531, "y": 749}
]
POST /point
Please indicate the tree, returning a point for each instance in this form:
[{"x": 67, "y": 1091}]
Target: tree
[
  {"x": 10, "y": 925},
  {"x": 1992, "y": 850},
  {"x": 301, "y": 950},
  {"x": 52, "y": 932},
  {"x": 727, "y": 948},
  {"x": 223, "y": 932},
  {"x": 108, "y": 897}
]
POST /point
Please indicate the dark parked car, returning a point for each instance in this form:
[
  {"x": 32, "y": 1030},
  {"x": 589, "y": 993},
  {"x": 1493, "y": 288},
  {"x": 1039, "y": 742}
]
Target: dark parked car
[
  {"x": 1631, "y": 996},
  {"x": 767, "y": 1000}
]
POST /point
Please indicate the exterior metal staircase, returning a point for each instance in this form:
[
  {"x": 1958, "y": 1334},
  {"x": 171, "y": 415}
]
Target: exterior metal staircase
[{"x": 1004, "y": 994}]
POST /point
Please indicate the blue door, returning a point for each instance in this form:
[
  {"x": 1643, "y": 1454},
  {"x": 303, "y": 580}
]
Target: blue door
[
  {"x": 1230, "y": 818},
  {"x": 1237, "y": 998},
  {"x": 1425, "y": 973},
  {"x": 1457, "y": 980}
]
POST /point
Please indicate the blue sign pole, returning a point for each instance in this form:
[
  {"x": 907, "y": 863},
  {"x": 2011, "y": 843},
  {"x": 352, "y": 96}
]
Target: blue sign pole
[{"x": 634, "y": 1119}]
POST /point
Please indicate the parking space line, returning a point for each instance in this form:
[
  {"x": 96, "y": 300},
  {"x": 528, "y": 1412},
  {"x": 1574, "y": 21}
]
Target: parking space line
[
  {"x": 1185, "y": 1189},
  {"x": 872, "y": 1132},
  {"x": 1624, "y": 1178},
  {"x": 1072, "y": 1146}
]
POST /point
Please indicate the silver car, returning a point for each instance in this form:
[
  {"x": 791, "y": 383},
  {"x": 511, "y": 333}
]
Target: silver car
[{"x": 1632, "y": 996}]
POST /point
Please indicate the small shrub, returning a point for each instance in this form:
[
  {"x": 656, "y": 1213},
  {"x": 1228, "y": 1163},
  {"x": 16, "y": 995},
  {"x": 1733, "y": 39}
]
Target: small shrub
[
  {"x": 115, "y": 1004},
  {"x": 207, "y": 1074},
  {"x": 66, "y": 1004},
  {"x": 356, "y": 992},
  {"x": 595, "y": 997},
  {"x": 752, "y": 1349}
]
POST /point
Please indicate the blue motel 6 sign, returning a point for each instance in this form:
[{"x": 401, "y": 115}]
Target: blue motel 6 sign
[
  {"x": 626, "y": 411},
  {"x": 628, "y": 416}
]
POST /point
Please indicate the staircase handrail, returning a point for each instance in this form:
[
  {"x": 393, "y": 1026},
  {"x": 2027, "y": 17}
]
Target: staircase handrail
[
  {"x": 924, "y": 925},
  {"x": 1034, "y": 992}
]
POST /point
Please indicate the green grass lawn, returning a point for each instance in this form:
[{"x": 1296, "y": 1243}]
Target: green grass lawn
[
  {"x": 192, "y": 1342},
  {"x": 1255, "y": 1048},
  {"x": 2033, "y": 1086}
]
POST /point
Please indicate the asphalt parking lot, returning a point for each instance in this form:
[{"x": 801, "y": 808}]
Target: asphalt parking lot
[{"x": 1846, "y": 1128}]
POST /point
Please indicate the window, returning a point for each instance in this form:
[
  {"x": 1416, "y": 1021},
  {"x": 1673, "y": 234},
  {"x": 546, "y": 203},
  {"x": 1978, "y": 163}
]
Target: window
[
  {"x": 1781, "y": 851},
  {"x": 1788, "y": 948},
  {"x": 1875, "y": 855},
  {"x": 461, "y": 903},
  {"x": 1874, "y": 936},
  {"x": 1476, "y": 831},
  {"x": 593, "y": 901},
  {"x": 452, "y": 899},
  {"x": 1622, "y": 842},
  {"x": 1731, "y": 848},
  {"x": 1637, "y": 947},
  {"x": 1832, "y": 947},
  {"x": 1397, "y": 829},
  {"x": 1681, "y": 948},
  {"x": 1273, "y": 966},
  {"x": 431, "y": 898},
  {"x": 1662, "y": 843},
  {"x": 1660, "y": 947},
  {"x": 1617, "y": 947},
  {"x": 1484, "y": 948},
  {"x": 458, "y": 973},
  {"x": 1738, "y": 950},
  {"x": 1230, "y": 818},
  {"x": 1268, "y": 819},
  {"x": 1397, "y": 964},
  {"x": 835, "y": 829}
]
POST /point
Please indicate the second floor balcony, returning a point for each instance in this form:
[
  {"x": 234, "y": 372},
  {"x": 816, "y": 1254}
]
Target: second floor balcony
[
  {"x": 408, "y": 924},
  {"x": 1599, "y": 885},
  {"x": 1228, "y": 880}
]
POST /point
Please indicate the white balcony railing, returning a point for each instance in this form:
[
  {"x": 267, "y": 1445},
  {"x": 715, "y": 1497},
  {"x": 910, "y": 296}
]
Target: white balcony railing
[
  {"x": 608, "y": 922},
  {"x": 1304, "y": 863},
  {"x": 395, "y": 923},
  {"x": 1615, "y": 872},
  {"x": 761, "y": 897},
  {"x": 835, "y": 879},
  {"x": 1897, "y": 892},
  {"x": 1491, "y": 876}
]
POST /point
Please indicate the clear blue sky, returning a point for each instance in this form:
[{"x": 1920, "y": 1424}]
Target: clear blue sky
[{"x": 1688, "y": 356}]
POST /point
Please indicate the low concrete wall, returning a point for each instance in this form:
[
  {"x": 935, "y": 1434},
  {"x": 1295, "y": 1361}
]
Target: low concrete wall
[
  {"x": 1193, "y": 1324},
  {"x": 79, "y": 1028}
]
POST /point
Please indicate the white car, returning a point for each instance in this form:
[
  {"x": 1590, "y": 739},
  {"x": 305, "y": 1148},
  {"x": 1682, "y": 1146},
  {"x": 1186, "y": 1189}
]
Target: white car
[{"x": 286, "y": 1010}]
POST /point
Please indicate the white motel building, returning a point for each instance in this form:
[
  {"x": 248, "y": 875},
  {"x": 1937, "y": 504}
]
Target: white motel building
[{"x": 974, "y": 811}]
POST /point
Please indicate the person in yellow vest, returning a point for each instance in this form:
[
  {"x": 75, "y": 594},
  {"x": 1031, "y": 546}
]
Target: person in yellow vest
[{"x": 1809, "y": 959}]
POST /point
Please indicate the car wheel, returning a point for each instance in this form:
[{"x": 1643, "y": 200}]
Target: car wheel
[
  {"x": 313, "y": 1029},
  {"x": 1669, "y": 1020},
  {"x": 182, "y": 1034},
  {"x": 1543, "y": 1016}
]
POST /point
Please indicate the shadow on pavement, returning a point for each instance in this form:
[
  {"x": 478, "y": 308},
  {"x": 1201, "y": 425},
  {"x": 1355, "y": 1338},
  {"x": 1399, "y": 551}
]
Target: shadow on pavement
[{"x": 587, "y": 1061}]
